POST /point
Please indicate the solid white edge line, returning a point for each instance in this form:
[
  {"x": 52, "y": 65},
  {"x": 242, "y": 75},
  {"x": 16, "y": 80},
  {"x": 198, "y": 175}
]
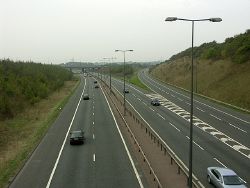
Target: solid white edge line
[
  {"x": 64, "y": 141},
  {"x": 125, "y": 146}
]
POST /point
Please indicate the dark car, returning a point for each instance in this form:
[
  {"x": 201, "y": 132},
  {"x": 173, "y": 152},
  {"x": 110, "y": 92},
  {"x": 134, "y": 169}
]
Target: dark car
[
  {"x": 96, "y": 86},
  {"x": 77, "y": 137},
  {"x": 95, "y": 82},
  {"x": 224, "y": 178},
  {"x": 155, "y": 102},
  {"x": 85, "y": 97},
  {"x": 126, "y": 90}
]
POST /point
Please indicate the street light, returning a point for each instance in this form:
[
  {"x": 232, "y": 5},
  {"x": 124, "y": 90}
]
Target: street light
[
  {"x": 109, "y": 58},
  {"x": 192, "y": 80},
  {"x": 124, "y": 51}
]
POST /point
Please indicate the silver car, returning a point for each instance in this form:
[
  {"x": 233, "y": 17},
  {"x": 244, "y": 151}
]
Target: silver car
[{"x": 224, "y": 177}]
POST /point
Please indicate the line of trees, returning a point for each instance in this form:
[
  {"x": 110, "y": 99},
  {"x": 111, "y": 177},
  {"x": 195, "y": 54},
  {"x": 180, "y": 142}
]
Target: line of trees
[
  {"x": 236, "y": 48},
  {"x": 25, "y": 83}
]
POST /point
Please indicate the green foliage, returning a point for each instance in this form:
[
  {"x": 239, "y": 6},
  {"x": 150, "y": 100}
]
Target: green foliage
[
  {"x": 236, "y": 48},
  {"x": 23, "y": 83}
]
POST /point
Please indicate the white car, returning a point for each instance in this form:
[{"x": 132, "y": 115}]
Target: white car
[{"x": 224, "y": 178}]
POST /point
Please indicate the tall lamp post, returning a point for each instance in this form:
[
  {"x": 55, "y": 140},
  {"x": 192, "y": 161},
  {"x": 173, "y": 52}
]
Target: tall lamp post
[
  {"x": 124, "y": 102},
  {"x": 191, "y": 97},
  {"x": 109, "y": 58}
]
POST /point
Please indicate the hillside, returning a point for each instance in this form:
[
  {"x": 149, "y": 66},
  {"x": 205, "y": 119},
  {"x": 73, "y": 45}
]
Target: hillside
[
  {"x": 223, "y": 77},
  {"x": 25, "y": 83}
]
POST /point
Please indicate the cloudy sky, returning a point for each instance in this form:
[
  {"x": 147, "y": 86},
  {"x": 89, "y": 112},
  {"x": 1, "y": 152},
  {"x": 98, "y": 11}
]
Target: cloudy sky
[{"x": 59, "y": 31}]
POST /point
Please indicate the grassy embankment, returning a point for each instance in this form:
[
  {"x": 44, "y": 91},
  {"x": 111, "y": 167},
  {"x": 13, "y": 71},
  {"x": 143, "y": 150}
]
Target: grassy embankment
[
  {"x": 22, "y": 134},
  {"x": 136, "y": 81},
  {"x": 222, "y": 80}
]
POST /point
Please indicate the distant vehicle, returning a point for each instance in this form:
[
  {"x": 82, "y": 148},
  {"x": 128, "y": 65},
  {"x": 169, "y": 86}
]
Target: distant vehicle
[
  {"x": 85, "y": 96},
  {"x": 126, "y": 90},
  {"x": 95, "y": 82},
  {"x": 77, "y": 137},
  {"x": 224, "y": 178},
  {"x": 96, "y": 86},
  {"x": 155, "y": 102}
]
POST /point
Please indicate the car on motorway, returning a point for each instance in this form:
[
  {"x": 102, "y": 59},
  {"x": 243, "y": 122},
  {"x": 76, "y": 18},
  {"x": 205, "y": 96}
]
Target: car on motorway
[
  {"x": 85, "y": 96},
  {"x": 77, "y": 137},
  {"x": 224, "y": 178},
  {"x": 155, "y": 102},
  {"x": 96, "y": 86},
  {"x": 95, "y": 82},
  {"x": 126, "y": 90}
]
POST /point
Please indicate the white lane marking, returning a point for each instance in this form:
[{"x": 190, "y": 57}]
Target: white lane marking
[
  {"x": 64, "y": 141},
  {"x": 160, "y": 116},
  {"x": 220, "y": 162},
  {"x": 93, "y": 137},
  {"x": 237, "y": 127},
  {"x": 139, "y": 99},
  {"x": 93, "y": 122},
  {"x": 237, "y": 146},
  {"x": 200, "y": 109},
  {"x": 167, "y": 92},
  {"x": 187, "y": 103},
  {"x": 124, "y": 144},
  {"x": 158, "y": 136},
  {"x": 187, "y": 137},
  {"x": 93, "y": 157},
  {"x": 179, "y": 99},
  {"x": 144, "y": 103},
  {"x": 215, "y": 117},
  {"x": 175, "y": 127},
  {"x": 133, "y": 94},
  {"x": 93, "y": 113},
  {"x": 172, "y": 95},
  {"x": 198, "y": 146},
  {"x": 151, "y": 108},
  {"x": 245, "y": 121}
]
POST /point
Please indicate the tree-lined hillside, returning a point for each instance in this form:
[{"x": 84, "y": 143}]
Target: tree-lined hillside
[
  {"x": 25, "y": 83},
  {"x": 236, "y": 48},
  {"x": 221, "y": 71}
]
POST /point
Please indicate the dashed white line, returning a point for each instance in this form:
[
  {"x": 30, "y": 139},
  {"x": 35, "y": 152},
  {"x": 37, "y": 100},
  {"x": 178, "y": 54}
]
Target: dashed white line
[
  {"x": 175, "y": 127},
  {"x": 220, "y": 162},
  {"x": 93, "y": 137},
  {"x": 200, "y": 109},
  {"x": 172, "y": 95},
  {"x": 160, "y": 116},
  {"x": 215, "y": 117},
  {"x": 134, "y": 95},
  {"x": 94, "y": 157},
  {"x": 93, "y": 122},
  {"x": 187, "y": 137},
  {"x": 151, "y": 108},
  {"x": 166, "y": 92},
  {"x": 139, "y": 99},
  {"x": 187, "y": 103},
  {"x": 93, "y": 113},
  {"x": 144, "y": 103},
  {"x": 179, "y": 99},
  {"x": 237, "y": 128},
  {"x": 199, "y": 146}
]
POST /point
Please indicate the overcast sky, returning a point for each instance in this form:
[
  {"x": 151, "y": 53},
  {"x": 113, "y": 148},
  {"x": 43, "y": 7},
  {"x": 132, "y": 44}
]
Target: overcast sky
[{"x": 58, "y": 31}]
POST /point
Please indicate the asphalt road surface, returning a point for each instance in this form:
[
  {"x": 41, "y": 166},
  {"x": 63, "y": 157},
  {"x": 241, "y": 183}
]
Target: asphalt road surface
[
  {"x": 103, "y": 160},
  {"x": 220, "y": 135}
]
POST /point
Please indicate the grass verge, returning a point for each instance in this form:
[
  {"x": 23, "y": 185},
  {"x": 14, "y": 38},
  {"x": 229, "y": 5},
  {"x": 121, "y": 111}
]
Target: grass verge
[
  {"x": 136, "y": 81},
  {"x": 21, "y": 135}
]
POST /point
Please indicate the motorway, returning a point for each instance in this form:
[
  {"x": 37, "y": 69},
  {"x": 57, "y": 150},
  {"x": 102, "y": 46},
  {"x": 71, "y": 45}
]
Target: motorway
[
  {"x": 103, "y": 160},
  {"x": 221, "y": 135}
]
